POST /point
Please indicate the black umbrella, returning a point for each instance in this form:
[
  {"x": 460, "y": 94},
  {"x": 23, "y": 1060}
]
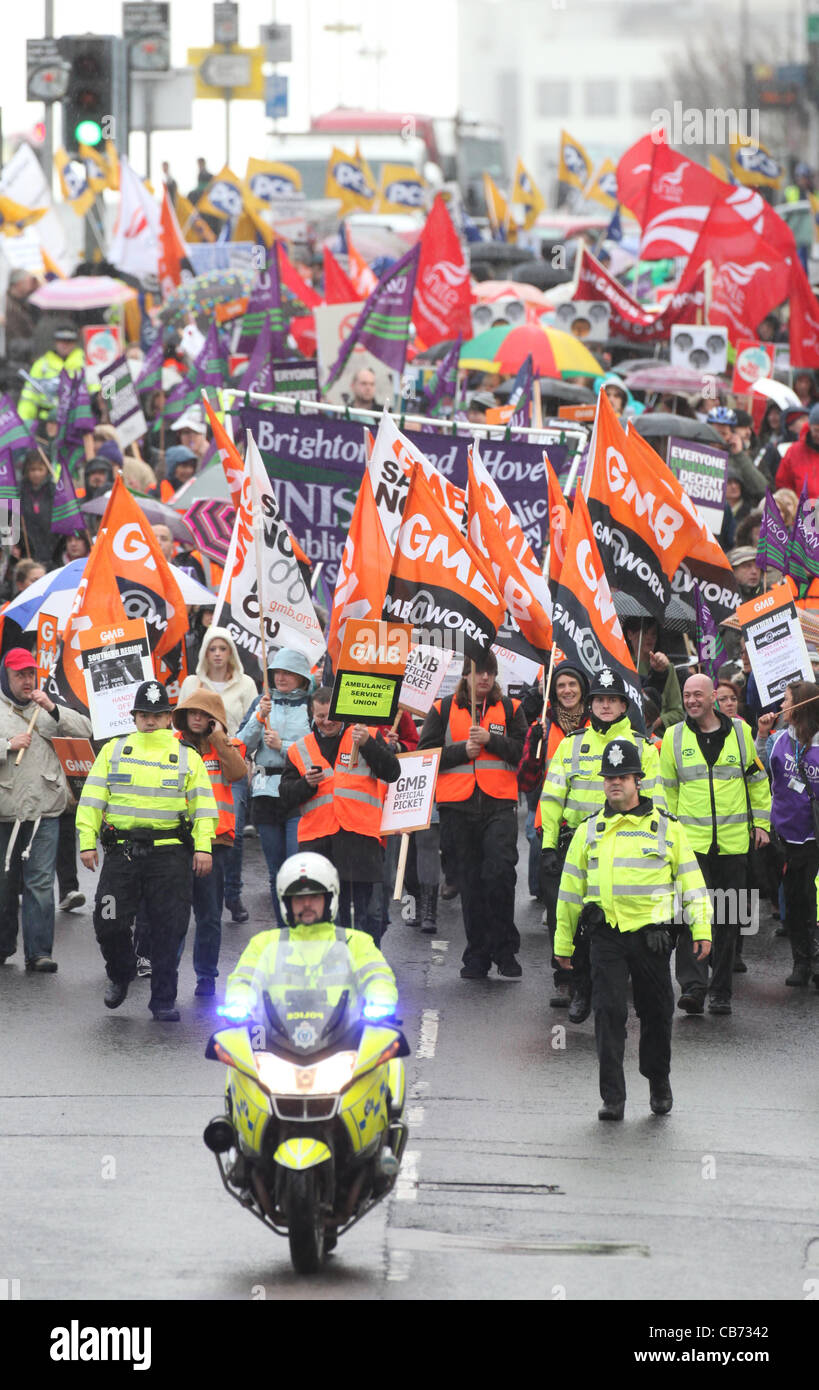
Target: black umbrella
[
  {"x": 662, "y": 424},
  {"x": 679, "y": 616},
  {"x": 551, "y": 389}
]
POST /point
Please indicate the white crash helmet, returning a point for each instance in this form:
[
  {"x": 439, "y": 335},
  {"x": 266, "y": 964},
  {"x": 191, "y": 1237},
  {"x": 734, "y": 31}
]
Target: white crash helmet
[{"x": 307, "y": 873}]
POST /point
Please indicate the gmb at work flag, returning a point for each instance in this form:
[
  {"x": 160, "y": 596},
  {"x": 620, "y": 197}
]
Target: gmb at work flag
[
  {"x": 438, "y": 582},
  {"x": 586, "y": 626},
  {"x": 383, "y": 324}
]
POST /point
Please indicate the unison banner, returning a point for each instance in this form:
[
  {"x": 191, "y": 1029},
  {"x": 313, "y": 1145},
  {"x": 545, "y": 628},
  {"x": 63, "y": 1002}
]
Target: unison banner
[{"x": 317, "y": 465}]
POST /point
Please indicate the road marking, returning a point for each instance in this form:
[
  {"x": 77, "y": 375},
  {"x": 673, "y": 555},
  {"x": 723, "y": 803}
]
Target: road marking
[
  {"x": 399, "y": 1265},
  {"x": 406, "y": 1187},
  {"x": 428, "y": 1038},
  {"x": 415, "y": 1116}
]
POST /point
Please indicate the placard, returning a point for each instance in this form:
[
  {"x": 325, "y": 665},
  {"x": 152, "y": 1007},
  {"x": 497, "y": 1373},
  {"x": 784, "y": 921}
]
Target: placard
[
  {"x": 515, "y": 670},
  {"x": 124, "y": 409},
  {"x": 775, "y": 643},
  {"x": 76, "y": 760},
  {"x": 702, "y": 347},
  {"x": 102, "y": 343},
  {"x": 588, "y": 319},
  {"x": 700, "y": 469},
  {"x": 370, "y": 671},
  {"x": 116, "y": 660},
  {"x": 426, "y": 667},
  {"x": 753, "y": 362},
  {"x": 48, "y": 635},
  {"x": 296, "y": 377},
  {"x": 409, "y": 801}
]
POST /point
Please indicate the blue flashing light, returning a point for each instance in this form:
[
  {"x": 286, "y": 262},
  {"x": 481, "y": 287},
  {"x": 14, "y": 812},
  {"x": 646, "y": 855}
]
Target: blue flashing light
[
  {"x": 237, "y": 1013},
  {"x": 375, "y": 1009}
]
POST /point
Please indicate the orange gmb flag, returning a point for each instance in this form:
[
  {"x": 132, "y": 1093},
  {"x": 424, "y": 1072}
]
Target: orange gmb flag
[
  {"x": 231, "y": 459},
  {"x": 585, "y": 622},
  {"x": 508, "y": 555},
  {"x": 363, "y": 572},
  {"x": 142, "y": 572},
  {"x": 641, "y": 523},
  {"x": 173, "y": 253},
  {"x": 439, "y": 582},
  {"x": 97, "y": 603},
  {"x": 560, "y": 517}
]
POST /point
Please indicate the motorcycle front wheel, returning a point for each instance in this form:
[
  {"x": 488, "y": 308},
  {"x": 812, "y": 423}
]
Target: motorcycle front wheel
[{"x": 305, "y": 1223}]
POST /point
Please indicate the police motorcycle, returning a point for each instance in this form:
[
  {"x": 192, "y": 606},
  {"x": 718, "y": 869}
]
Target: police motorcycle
[{"x": 313, "y": 1131}]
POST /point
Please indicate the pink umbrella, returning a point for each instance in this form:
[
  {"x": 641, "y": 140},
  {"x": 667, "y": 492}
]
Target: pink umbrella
[
  {"x": 211, "y": 520},
  {"x": 82, "y": 292},
  {"x": 487, "y": 291}
]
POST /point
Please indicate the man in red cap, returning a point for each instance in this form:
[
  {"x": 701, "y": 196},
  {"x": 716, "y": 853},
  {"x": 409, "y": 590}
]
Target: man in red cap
[{"x": 33, "y": 796}]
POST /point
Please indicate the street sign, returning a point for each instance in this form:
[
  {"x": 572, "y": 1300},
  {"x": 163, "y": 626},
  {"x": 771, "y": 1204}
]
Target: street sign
[
  {"x": 46, "y": 72},
  {"x": 147, "y": 30},
  {"x": 226, "y": 23},
  {"x": 165, "y": 97},
  {"x": 275, "y": 95},
  {"x": 217, "y": 71},
  {"x": 277, "y": 40},
  {"x": 813, "y": 28},
  {"x": 225, "y": 70}
]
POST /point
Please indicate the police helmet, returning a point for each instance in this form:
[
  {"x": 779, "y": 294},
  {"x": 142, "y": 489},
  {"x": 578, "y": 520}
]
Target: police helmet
[
  {"x": 151, "y": 698},
  {"x": 608, "y": 682},
  {"x": 307, "y": 873},
  {"x": 620, "y": 759}
]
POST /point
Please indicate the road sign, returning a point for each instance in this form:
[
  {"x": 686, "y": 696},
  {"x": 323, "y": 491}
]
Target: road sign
[
  {"x": 166, "y": 96},
  {"x": 46, "y": 72},
  {"x": 277, "y": 40},
  {"x": 275, "y": 95},
  {"x": 147, "y": 30},
  {"x": 813, "y": 28},
  {"x": 226, "y": 23},
  {"x": 213, "y": 77}
]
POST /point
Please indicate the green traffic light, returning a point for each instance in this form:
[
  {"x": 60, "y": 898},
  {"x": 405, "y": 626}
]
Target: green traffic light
[{"x": 88, "y": 132}]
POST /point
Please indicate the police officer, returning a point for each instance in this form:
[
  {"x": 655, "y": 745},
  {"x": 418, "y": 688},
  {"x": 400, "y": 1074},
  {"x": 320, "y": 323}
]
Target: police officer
[
  {"x": 627, "y": 864},
  {"x": 477, "y": 796},
  {"x": 573, "y": 789},
  {"x": 715, "y": 783},
  {"x": 65, "y": 355},
  {"x": 149, "y": 799}
]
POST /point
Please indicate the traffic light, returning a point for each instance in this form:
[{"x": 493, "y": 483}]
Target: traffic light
[{"x": 95, "y": 105}]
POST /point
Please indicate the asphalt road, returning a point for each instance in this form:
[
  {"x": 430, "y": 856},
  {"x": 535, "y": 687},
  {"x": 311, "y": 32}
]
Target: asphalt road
[{"x": 510, "y": 1188}]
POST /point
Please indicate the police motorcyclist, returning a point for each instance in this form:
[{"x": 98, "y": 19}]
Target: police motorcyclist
[
  {"x": 573, "y": 789},
  {"x": 624, "y": 868},
  {"x": 149, "y": 799},
  {"x": 307, "y": 886}
]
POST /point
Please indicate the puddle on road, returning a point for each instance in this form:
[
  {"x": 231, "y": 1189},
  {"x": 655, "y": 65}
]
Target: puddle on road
[{"x": 408, "y": 1238}]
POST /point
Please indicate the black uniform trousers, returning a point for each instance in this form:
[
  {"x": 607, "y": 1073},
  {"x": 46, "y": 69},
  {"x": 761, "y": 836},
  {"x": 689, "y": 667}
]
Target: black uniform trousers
[
  {"x": 163, "y": 879},
  {"x": 485, "y": 847},
  {"x": 726, "y": 877},
  {"x": 615, "y": 956}
]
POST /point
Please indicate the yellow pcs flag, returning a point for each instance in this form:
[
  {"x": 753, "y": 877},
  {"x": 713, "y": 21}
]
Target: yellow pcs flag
[
  {"x": 527, "y": 195},
  {"x": 224, "y": 196},
  {"x": 14, "y": 217},
  {"x": 349, "y": 179},
  {"x": 497, "y": 210},
  {"x": 73, "y": 183},
  {"x": 194, "y": 227},
  {"x": 96, "y": 167},
  {"x": 603, "y": 187},
  {"x": 718, "y": 169},
  {"x": 403, "y": 189},
  {"x": 271, "y": 182},
  {"x": 754, "y": 166},
  {"x": 575, "y": 167}
]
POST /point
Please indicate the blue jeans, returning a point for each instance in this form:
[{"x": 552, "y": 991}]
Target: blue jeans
[
  {"x": 208, "y": 899},
  {"x": 278, "y": 843},
  {"x": 233, "y": 866},
  {"x": 37, "y": 877}
]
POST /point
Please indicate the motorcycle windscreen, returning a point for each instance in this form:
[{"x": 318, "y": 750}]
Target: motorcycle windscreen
[{"x": 309, "y": 996}]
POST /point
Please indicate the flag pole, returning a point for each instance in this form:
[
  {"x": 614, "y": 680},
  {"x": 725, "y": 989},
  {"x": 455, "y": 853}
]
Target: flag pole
[
  {"x": 472, "y": 696},
  {"x": 546, "y": 685},
  {"x": 402, "y": 866}
]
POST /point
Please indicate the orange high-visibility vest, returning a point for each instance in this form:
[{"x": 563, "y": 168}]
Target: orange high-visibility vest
[
  {"x": 811, "y": 599},
  {"x": 492, "y": 774},
  {"x": 222, "y": 789},
  {"x": 346, "y": 798}
]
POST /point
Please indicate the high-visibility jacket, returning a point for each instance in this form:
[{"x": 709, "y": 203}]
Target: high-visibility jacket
[
  {"x": 314, "y": 956},
  {"x": 222, "y": 787},
  {"x": 554, "y": 739},
  {"x": 811, "y": 598},
  {"x": 492, "y": 774},
  {"x": 346, "y": 798},
  {"x": 715, "y": 802},
  {"x": 641, "y": 870},
  {"x": 33, "y": 406},
  {"x": 144, "y": 781},
  {"x": 573, "y": 788}
]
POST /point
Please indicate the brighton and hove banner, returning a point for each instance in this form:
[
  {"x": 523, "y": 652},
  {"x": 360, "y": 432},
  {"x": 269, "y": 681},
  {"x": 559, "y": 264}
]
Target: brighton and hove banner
[{"x": 317, "y": 465}]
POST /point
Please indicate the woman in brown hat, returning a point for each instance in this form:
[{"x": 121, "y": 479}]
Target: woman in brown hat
[{"x": 201, "y": 722}]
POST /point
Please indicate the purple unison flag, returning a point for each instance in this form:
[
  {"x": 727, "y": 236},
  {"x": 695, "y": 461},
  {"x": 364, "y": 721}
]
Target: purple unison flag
[
  {"x": 258, "y": 374},
  {"x": 8, "y": 478},
  {"x": 383, "y": 324},
  {"x": 522, "y": 395},
  {"x": 710, "y": 641},
  {"x": 772, "y": 546},
  {"x": 445, "y": 381},
  {"x": 66, "y": 517},
  {"x": 211, "y": 364},
  {"x": 264, "y": 305},
  {"x": 803, "y": 549},
  {"x": 15, "y": 434},
  {"x": 150, "y": 378}
]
